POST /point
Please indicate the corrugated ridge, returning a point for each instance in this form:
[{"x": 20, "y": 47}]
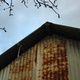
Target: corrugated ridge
[
  {"x": 50, "y": 59},
  {"x": 73, "y": 52}
]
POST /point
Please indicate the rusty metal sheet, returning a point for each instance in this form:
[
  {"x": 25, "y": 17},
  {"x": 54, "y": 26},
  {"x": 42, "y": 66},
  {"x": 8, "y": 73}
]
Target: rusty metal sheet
[
  {"x": 46, "y": 60},
  {"x": 4, "y": 73},
  {"x": 53, "y": 58},
  {"x": 73, "y": 52},
  {"x": 55, "y": 66}
]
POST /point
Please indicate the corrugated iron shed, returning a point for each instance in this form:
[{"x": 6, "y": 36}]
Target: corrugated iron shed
[
  {"x": 45, "y": 30},
  {"x": 46, "y": 60}
]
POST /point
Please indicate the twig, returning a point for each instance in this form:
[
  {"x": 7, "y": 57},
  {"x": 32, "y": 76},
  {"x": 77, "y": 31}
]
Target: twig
[
  {"x": 10, "y": 8},
  {"x": 23, "y": 1},
  {"x": 5, "y": 2},
  {"x": 38, "y": 3},
  {"x": 3, "y": 29},
  {"x": 52, "y": 5}
]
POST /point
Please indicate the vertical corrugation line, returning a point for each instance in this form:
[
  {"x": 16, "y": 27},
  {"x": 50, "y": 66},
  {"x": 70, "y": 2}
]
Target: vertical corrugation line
[
  {"x": 4, "y": 73},
  {"x": 46, "y": 60},
  {"x": 73, "y": 52}
]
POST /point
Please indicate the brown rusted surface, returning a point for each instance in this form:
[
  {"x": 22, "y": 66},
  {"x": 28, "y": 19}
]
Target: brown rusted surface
[
  {"x": 55, "y": 65},
  {"x": 47, "y": 60}
]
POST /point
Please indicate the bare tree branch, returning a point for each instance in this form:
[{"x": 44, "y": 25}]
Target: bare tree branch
[
  {"x": 4, "y": 2},
  {"x": 3, "y": 29},
  {"x": 38, "y": 4},
  {"x": 24, "y": 1},
  {"x": 10, "y": 8}
]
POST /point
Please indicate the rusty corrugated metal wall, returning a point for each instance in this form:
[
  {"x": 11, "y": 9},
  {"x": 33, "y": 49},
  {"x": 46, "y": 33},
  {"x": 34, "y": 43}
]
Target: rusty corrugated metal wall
[
  {"x": 53, "y": 58},
  {"x": 4, "y": 73},
  {"x": 73, "y": 52}
]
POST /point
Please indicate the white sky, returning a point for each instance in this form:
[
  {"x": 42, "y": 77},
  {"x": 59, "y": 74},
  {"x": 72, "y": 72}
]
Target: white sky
[{"x": 26, "y": 20}]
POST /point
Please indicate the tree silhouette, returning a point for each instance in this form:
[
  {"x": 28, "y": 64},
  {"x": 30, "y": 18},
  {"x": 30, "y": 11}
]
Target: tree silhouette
[{"x": 38, "y": 3}]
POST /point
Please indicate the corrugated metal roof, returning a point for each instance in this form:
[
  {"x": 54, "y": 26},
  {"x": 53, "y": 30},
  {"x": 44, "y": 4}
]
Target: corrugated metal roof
[{"x": 45, "y": 30}]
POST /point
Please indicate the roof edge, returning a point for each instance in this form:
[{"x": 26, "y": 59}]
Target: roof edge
[{"x": 46, "y": 29}]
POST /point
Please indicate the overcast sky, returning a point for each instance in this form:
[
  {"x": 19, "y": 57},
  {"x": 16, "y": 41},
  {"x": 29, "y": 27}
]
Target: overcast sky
[{"x": 26, "y": 20}]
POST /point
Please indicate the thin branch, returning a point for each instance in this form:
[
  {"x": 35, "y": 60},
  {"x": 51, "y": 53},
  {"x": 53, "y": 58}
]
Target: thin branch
[
  {"x": 3, "y": 29},
  {"x": 54, "y": 11},
  {"x": 23, "y": 1},
  {"x": 5, "y": 2},
  {"x": 10, "y": 8},
  {"x": 52, "y": 5},
  {"x": 38, "y": 4}
]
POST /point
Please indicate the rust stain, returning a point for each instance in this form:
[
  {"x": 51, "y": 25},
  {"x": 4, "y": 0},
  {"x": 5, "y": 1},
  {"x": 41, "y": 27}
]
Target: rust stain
[
  {"x": 56, "y": 65},
  {"x": 47, "y": 60}
]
